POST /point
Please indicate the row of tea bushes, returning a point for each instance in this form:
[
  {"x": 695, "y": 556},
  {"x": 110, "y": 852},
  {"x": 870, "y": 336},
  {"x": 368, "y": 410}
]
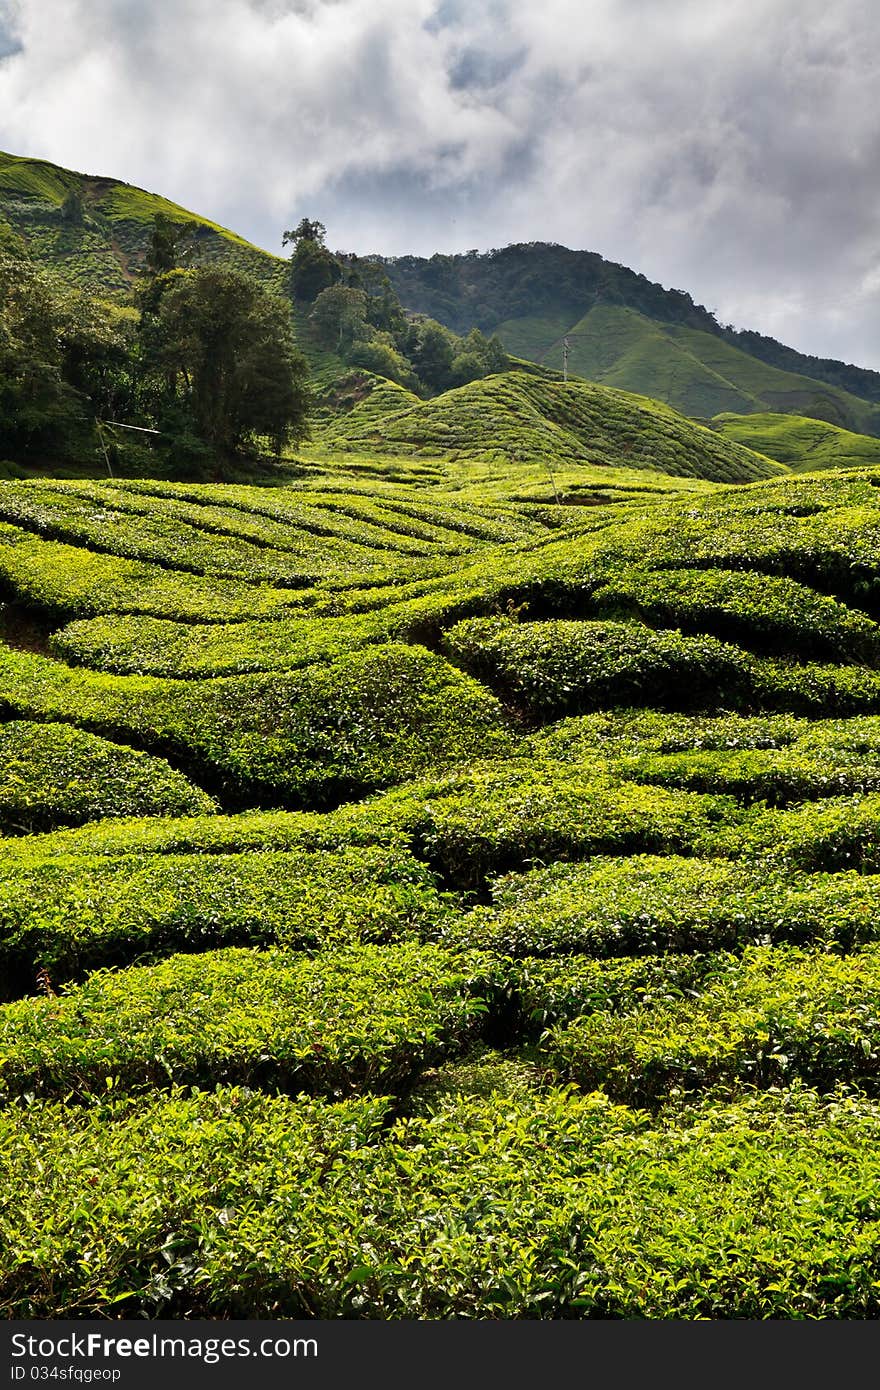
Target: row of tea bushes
[
  {"x": 68, "y": 916},
  {"x": 764, "y": 612},
  {"x": 236, "y": 1204},
  {"x": 136, "y": 645},
  {"x": 166, "y": 539},
  {"x": 550, "y": 669},
  {"x": 773, "y": 1014},
  {"x": 480, "y": 821},
  {"x": 563, "y": 667},
  {"x": 327, "y": 732},
  {"x": 841, "y": 833},
  {"x": 320, "y": 509},
  {"x": 67, "y": 581},
  {"x": 54, "y": 775},
  {"x": 777, "y": 776},
  {"x": 368, "y": 1018},
  {"x": 648, "y": 904}
]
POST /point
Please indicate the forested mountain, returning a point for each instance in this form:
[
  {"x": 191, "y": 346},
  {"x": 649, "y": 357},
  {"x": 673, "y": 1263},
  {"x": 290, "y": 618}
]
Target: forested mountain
[{"x": 629, "y": 332}]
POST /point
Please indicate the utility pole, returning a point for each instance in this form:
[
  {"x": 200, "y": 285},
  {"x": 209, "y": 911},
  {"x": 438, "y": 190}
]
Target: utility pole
[{"x": 565, "y": 359}]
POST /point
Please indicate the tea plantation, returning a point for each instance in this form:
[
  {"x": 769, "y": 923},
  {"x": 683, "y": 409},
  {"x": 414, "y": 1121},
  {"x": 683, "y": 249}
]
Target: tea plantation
[{"x": 444, "y": 887}]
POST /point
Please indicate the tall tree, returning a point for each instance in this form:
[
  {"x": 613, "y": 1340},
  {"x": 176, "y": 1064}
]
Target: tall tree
[{"x": 230, "y": 344}]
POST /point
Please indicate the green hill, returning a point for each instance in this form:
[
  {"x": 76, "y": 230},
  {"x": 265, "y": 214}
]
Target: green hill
[
  {"x": 522, "y": 418},
  {"x": 626, "y": 331},
  {"x": 802, "y": 444},
  {"x": 94, "y": 231},
  {"x": 696, "y": 372}
]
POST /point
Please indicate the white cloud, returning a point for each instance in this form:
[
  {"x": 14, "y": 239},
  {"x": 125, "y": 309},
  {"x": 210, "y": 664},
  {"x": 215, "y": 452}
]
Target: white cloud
[{"x": 729, "y": 149}]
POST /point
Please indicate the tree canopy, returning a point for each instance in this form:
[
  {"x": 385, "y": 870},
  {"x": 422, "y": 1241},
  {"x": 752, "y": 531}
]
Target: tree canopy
[{"x": 228, "y": 345}]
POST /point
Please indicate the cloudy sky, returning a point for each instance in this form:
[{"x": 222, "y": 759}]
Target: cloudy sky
[{"x": 730, "y": 148}]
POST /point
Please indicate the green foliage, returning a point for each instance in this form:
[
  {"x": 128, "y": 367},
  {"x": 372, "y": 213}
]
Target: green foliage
[
  {"x": 555, "y": 668},
  {"x": 235, "y": 1204},
  {"x": 803, "y": 444},
  {"x": 327, "y": 732},
  {"x": 771, "y": 1015},
  {"x": 363, "y": 1019},
  {"x": 232, "y": 345},
  {"x": 509, "y": 814},
  {"x": 69, "y": 916},
  {"x": 53, "y": 775},
  {"x": 646, "y": 905},
  {"x": 763, "y": 612}
]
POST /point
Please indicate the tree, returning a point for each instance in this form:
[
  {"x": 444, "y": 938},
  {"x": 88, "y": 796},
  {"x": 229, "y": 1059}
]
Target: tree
[
  {"x": 312, "y": 269},
  {"x": 39, "y": 411},
  {"x": 306, "y": 230},
  {"x": 172, "y": 245},
  {"x": 229, "y": 344},
  {"x": 431, "y": 349},
  {"x": 339, "y": 317}
]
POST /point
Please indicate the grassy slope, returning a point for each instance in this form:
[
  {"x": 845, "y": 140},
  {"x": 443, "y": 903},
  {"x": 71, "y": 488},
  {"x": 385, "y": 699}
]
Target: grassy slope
[
  {"x": 526, "y": 419},
  {"x": 106, "y": 249},
  {"x": 802, "y": 444},
  {"x": 693, "y": 371}
]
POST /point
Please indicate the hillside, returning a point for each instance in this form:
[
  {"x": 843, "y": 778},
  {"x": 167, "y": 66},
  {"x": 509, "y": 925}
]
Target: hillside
[
  {"x": 412, "y": 904},
  {"x": 95, "y": 231},
  {"x": 802, "y": 444},
  {"x": 521, "y": 418},
  {"x": 628, "y": 332}
]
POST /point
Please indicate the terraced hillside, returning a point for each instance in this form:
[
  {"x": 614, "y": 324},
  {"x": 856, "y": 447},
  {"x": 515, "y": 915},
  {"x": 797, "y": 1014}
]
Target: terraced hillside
[
  {"x": 695, "y": 371},
  {"x": 95, "y": 231},
  {"x": 627, "y": 331},
  {"x": 803, "y": 445},
  {"x": 522, "y": 417},
  {"x": 424, "y": 899}
]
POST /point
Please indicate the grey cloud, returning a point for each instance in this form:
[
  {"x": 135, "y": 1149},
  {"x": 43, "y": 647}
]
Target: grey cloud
[{"x": 730, "y": 150}]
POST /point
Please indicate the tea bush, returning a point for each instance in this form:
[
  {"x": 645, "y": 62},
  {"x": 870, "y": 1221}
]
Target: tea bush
[
  {"x": 53, "y": 775},
  {"x": 236, "y": 1204},
  {"x": 368, "y": 1018},
  {"x": 70, "y": 916},
  {"x": 775, "y": 1014},
  {"x": 646, "y": 905}
]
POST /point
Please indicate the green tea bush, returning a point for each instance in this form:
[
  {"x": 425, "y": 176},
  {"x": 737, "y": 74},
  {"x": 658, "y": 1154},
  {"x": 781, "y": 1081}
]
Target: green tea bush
[
  {"x": 66, "y": 581},
  {"x": 763, "y": 612},
  {"x": 53, "y": 775},
  {"x": 553, "y": 990},
  {"x": 775, "y": 1014},
  {"x": 237, "y": 1204},
  {"x": 495, "y": 816},
  {"x": 372, "y": 719},
  {"x": 560, "y": 667},
  {"x": 156, "y": 646},
  {"x": 361, "y": 1019},
  {"x": 841, "y": 833},
  {"x": 648, "y": 905},
  {"x": 70, "y": 916}
]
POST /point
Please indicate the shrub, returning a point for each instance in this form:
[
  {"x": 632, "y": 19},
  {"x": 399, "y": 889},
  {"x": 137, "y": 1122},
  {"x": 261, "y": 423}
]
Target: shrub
[
  {"x": 235, "y": 1204},
  {"x": 53, "y": 775},
  {"x": 361, "y": 1019},
  {"x": 775, "y": 1014},
  {"x": 327, "y": 732},
  {"x": 763, "y": 612},
  {"x": 556, "y": 668},
  {"x": 646, "y": 905},
  {"x": 69, "y": 916}
]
